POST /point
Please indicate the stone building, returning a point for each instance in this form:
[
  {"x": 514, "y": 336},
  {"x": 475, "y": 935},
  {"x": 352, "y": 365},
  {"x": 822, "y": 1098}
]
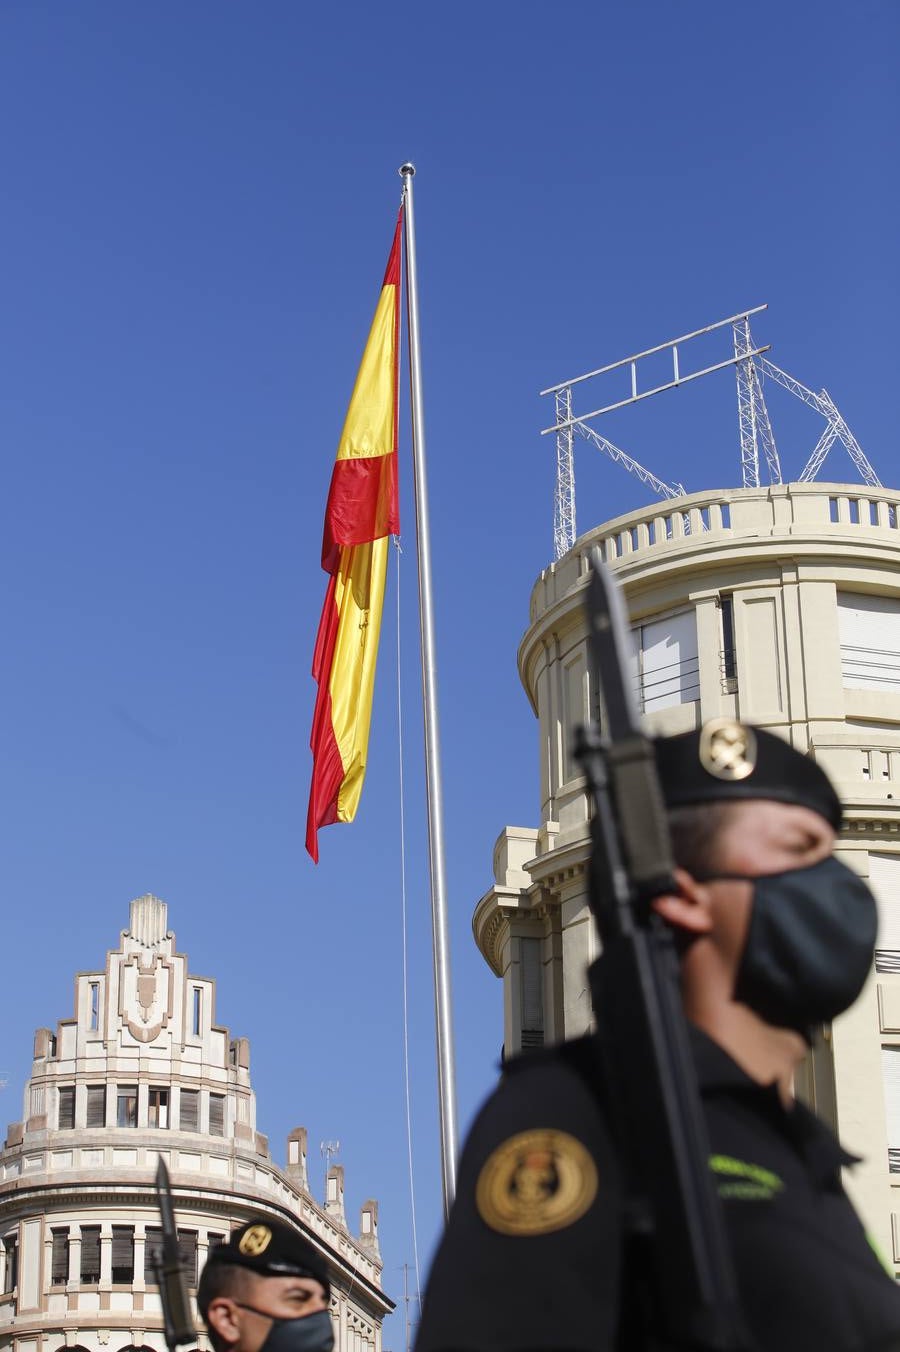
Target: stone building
[
  {"x": 142, "y": 1072},
  {"x": 778, "y": 605}
]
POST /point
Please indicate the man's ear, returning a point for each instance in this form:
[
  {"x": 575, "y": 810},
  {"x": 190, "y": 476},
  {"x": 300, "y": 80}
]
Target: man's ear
[
  {"x": 222, "y": 1318},
  {"x": 688, "y": 910}
]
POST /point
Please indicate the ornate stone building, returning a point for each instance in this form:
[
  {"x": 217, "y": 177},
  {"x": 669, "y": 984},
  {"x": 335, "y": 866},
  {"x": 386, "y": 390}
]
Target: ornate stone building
[
  {"x": 777, "y": 605},
  {"x": 141, "y": 1072}
]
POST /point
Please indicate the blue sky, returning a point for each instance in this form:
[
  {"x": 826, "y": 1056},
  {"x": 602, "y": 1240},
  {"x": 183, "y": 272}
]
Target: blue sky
[{"x": 197, "y": 206}]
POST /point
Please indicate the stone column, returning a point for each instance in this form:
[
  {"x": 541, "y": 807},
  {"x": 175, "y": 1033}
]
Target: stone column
[
  {"x": 105, "y": 1256},
  {"x": 48, "y": 1260},
  {"x": 74, "y": 1257},
  {"x": 139, "y": 1245}
]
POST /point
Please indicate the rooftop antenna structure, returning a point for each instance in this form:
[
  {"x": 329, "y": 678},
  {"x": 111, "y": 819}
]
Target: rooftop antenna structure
[
  {"x": 328, "y": 1149},
  {"x": 751, "y": 366}
]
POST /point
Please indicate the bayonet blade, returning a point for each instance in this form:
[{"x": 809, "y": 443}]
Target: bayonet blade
[
  {"x": 628, "y": 750},
  {"x": 609, "y": 640},
  {"x": 170, "y": 1274}
]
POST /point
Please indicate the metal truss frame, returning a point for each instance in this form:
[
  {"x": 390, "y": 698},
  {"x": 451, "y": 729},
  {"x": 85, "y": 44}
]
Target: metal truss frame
[
  {"x": 568, "y": 423},
  {"x": 750, "y": 364},
  {"x": 836, "y": 428}
]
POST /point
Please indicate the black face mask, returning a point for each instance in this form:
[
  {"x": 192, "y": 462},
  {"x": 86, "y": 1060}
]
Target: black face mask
[
  {"x": 312, "y": 1333},
  {"x": 810, "y": 944}
]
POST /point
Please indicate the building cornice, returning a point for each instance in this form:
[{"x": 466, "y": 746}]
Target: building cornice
[{"x": 26, "y": 1197}]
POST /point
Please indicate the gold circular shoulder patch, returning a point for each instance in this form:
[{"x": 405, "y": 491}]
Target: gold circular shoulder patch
[
  {"x": 255, "y": 1240},
  {"x": 536, "y": 1182},
  {"x": 727, "y": 748}
]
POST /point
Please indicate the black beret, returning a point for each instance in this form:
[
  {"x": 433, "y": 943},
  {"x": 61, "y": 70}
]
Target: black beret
[
  {"x": 272, "y": 1249},
  {"x": 727, "y": 761}
]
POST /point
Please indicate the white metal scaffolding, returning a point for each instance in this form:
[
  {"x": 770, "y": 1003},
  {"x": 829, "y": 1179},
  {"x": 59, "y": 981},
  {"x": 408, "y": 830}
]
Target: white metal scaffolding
[{"x": 755, "y": 429}]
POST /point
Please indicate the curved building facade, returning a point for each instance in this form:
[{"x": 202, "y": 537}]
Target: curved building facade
[
  {"x": 776, "y": 605},
  {"x": 142, "y": 1072}
]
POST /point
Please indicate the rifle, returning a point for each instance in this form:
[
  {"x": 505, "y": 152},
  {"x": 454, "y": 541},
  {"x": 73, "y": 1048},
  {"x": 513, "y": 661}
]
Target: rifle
[
  {"x": 646, "y": 1063},
  {"x": 169, "y": 1270}
]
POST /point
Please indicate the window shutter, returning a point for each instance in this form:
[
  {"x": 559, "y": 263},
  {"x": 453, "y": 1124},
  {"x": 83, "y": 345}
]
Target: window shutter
[
  {"x": 187, "y": 1254},
  {"x": 890, "y": 1066},
  {"x": 11, "y": 1245},
  {"x": 190, "y": 1110},
  {"x": 59, "y": 1266},
  {"x": 670, "y": 666},
  {"x": 123, "y": 1253},
  {"x": 532, "y": 992},
  {"x": 869, "y": 628},
  {"x": 884, "y": 876},
  {"x": 152, "y": 1251},
  {"x": 90, "y": 1253},
  {"x": 66, "y": 1121},
  {"x": 217, "y": 1114},
  {"x": 96, "y": 1105}
]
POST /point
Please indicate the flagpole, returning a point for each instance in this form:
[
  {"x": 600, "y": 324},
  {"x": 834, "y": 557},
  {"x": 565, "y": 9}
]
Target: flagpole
[{"x": 439, "y": 926}]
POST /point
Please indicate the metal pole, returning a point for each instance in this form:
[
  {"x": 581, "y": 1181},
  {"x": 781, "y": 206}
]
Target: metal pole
[{"x": 440, "y": 932}]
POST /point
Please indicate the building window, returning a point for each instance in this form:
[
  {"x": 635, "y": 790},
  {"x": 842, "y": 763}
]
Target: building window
[
  {"x": 66, "y": 1114},
  {"x": 729, "y": 659},
  {"x": 11, "y": 1248},
  {"x": 217, "y": 1114},
  {"x": 890, "y": 1070},
  {"x": 126, "y": 1105},
  {"x": 532, "y": 991},
  {"x": 59, "y": 1262},
  {"x": 158, "y": 1107},
  {"x": 187, "y": 1254},
  {"x": 152, "y": 1252},
  {"x": 213, "y": 1240},
  {"x": 197, "y": 1013},
  {"x": 94, "y": 1022},
  {"x": 869, "y": 628},
  {"x": 51, "y": 1046},
  {"x": 123, "y": 1254},
  {"x": 38, "y": 1100},
  {"x": 96, "y": 1106},
  {"x": 90, "y": 1254},
  {"x": 665, "y": 663},
  {"x": 884, "y": 879},
  {"x": 190, "y": 1110}
]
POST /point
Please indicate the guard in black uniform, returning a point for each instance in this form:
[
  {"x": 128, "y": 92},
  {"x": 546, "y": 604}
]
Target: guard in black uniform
[
  {"x": 775, "y": 937},
  {"x": 266, "y": 1290}
]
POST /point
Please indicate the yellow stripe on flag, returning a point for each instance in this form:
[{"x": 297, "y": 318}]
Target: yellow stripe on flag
[
  {"x": 369, "y": 424},
  {"x": 359, "y": 597}
]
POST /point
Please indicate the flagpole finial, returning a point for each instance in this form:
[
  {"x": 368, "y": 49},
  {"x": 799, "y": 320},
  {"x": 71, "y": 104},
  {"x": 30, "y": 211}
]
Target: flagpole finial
[{"x": 407, "y": 168}]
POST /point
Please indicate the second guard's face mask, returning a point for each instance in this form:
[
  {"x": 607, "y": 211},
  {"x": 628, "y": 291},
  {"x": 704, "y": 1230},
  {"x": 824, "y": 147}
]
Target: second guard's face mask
[
  {"x": 809, "y": 946},
  {"x": 311, "y": 1333}
]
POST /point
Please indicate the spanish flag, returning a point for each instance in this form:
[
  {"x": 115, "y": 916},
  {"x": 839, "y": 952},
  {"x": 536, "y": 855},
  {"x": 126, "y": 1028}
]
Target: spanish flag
[{"x": 362, "y": 512}]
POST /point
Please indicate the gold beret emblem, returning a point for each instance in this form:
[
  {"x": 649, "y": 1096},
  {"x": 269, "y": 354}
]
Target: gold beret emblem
[
  {"x": 536, "y": 1182},
  {"x": 727, "y": 748},
  {"x": 255, "y": 1240}
]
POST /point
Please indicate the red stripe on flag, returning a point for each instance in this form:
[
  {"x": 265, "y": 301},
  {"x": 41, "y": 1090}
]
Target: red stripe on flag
[
  {"x": 362, "y": 505},
  {"x": 392, "y": 271},
  {"x": 328, "y": 769}
]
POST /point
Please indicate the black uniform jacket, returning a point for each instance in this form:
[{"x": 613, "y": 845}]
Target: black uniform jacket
[{"x": 518, "y": 1274}]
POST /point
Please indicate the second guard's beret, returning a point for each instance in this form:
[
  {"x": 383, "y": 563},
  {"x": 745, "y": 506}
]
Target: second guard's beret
[
  {"x": 726, "y": 761},
  {"x": 272, "y": 1249}
]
